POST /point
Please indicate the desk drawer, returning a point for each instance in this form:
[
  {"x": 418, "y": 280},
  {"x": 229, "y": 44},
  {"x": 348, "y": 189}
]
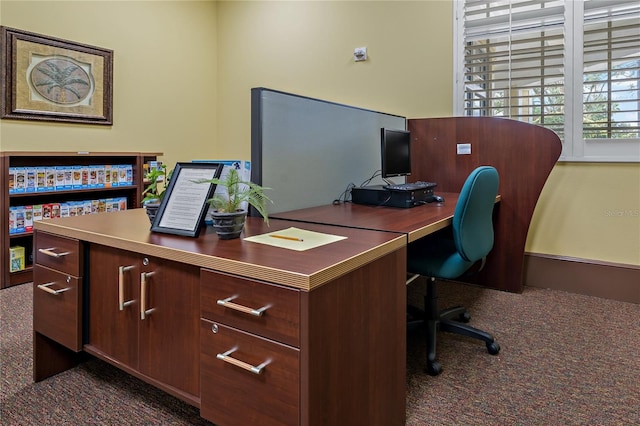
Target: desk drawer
[
  {"x": 56, "y": 301},
  {"x": 231, "y": 394},
  {"x": 280, "y": 319},
  {"x": 59, "y": 253}
]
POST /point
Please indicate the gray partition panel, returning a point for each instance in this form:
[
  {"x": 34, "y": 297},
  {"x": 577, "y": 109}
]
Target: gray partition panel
[{"x": 308, "y": 151}]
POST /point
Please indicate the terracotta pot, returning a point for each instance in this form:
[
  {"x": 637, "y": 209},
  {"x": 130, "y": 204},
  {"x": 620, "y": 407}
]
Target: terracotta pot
[{"x": 229, "y": 225}]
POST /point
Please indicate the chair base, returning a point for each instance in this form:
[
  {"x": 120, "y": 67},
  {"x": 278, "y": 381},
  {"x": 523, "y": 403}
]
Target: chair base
[{"x": 452, "y": 320}]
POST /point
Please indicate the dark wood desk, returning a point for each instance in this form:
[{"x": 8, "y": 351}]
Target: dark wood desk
[
  {"x": 331, "y": 357},
  {"x": 415, "y": 222}
]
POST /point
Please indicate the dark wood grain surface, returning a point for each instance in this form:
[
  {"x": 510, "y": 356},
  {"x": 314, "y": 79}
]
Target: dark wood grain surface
[
  {"x": 522, "y": 153},
  {"x": 416, "y": 222},
  {"x": 129, "y": 230}
]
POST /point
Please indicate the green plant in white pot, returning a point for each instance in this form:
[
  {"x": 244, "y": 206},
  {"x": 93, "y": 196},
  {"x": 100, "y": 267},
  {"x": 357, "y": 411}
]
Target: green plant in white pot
[{"x": 229, "y": 207}]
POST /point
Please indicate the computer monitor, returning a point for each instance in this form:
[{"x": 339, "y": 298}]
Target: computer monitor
[{"x": 396, "y": 152}]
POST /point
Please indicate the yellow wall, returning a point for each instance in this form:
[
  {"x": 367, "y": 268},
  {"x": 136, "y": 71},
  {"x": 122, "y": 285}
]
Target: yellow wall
[
  {"x": 184, "y": 70},
  {"x": 307, "y": 48},
  {"x": 589, "y": 211},
  {"x": 165, "y": 78}
]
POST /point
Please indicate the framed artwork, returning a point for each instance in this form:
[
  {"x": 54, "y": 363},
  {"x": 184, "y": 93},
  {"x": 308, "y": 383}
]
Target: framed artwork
[
  {"x": 184, "y": 204},
  {"x": 50, "y": 79}
]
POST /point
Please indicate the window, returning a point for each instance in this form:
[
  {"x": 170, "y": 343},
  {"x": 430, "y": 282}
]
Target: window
[{"x": 571, "y": 66}]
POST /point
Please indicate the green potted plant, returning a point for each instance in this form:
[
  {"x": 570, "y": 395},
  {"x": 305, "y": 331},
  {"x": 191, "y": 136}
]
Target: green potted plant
[
  {"x": 156, "y": 179},
  {"x": 229, "y": 207}
]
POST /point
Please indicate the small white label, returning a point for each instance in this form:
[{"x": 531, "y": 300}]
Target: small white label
[
  {"x": 463, "y": 148},
  {"x": 360, "y": 54}
]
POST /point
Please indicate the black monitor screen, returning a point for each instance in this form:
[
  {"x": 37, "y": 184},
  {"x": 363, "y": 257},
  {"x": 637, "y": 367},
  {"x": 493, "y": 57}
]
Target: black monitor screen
[{"x": 396, "y": 152}]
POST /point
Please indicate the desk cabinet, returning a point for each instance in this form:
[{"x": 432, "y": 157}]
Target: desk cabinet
[
  {"x": 144, "y": 314},
  {"x": 310, "y": 358},
  {"x": 57, "y": 290},
  {"x": 249, "y": 333},
  {"x": 57, "y": 303},
  {"x": 249, "y": 374}
]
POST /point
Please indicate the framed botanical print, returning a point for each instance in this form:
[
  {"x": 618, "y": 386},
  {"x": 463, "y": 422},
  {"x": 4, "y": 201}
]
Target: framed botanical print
[{"x": 50, "y": 79}]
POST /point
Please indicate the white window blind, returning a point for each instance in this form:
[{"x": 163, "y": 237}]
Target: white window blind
[
  {"x": 611, "y": 68},
  {"x": 514, "y": 60},
  {"x": 571, "y": 66}
]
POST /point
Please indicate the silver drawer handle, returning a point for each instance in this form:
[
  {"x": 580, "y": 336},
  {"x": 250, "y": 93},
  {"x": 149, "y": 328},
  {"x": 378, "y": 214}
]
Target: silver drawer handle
[
  {"x": 228, "y": 304},
  {"x": 121, "y": 301},
  {"x": 226, "y": 358},
  {"x": 144, "y": 312},
  {"x": 46, "y": 288},
  {"x": 49, "y": 252}
]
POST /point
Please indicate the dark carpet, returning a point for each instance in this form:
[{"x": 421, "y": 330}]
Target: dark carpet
[{"x": 566, "y": 359}]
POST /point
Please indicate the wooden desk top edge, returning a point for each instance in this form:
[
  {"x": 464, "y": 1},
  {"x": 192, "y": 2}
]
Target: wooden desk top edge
[{"x": 89, "y": 230}]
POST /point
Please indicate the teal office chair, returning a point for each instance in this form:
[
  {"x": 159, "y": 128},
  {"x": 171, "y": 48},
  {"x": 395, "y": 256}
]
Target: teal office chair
[{"x": 451, "y": 258}]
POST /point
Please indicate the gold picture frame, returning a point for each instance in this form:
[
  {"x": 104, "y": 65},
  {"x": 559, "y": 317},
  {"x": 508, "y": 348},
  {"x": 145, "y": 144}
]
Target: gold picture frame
[{"x": 50, "y": 79}]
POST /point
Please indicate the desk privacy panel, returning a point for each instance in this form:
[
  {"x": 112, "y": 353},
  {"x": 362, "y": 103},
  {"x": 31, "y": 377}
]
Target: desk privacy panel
[{"x": 308, "y": 151}]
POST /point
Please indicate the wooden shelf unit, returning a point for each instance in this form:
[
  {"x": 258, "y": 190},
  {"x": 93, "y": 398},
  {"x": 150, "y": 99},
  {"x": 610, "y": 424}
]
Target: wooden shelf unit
[{"x": 133, "y": 194}]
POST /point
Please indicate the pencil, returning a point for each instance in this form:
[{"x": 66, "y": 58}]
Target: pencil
[{"x": 287, "y": 238}]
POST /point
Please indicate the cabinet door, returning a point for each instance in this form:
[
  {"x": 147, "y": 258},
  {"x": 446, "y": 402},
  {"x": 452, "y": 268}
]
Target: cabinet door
[
  {"x": 169, "y": 333},
  {"x": 114, "y": 277},
  {"x": 144, "y": 312}
]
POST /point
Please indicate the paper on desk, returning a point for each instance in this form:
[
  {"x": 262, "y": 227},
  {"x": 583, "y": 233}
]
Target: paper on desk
[{"x": 295, "y": 239}]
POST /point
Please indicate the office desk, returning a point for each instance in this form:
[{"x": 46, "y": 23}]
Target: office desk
[
  {"x": 333, "y": 333},
  {"x": 415, "y": 222}
]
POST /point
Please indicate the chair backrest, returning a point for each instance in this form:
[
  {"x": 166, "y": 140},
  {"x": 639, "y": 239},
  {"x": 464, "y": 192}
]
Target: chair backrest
[{"x": 473, "y": 217}]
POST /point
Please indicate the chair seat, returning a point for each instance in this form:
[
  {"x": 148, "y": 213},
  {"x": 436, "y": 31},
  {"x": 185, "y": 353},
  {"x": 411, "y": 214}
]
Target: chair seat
[{"x": 436, "y": 257}]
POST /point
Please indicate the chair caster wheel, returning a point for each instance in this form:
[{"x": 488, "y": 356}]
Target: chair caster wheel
[
  {"x": 464, "y": 317},
  {"x": 434, "y": 368},
  {"x": 493, "y": 348}
]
